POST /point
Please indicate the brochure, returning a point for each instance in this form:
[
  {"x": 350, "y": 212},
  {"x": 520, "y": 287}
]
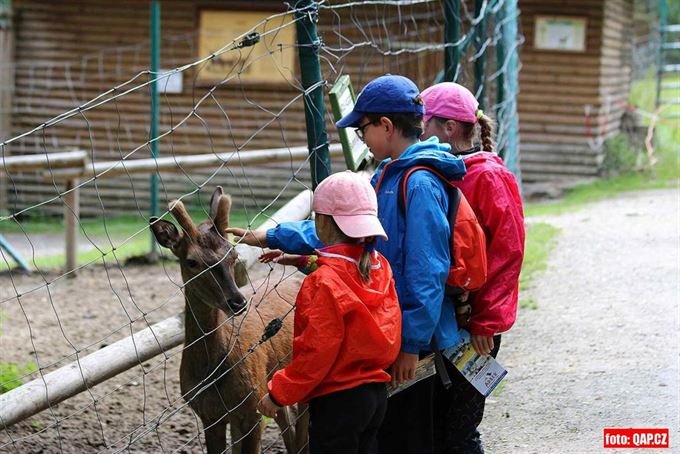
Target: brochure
[{"x": 483, "y": 372}]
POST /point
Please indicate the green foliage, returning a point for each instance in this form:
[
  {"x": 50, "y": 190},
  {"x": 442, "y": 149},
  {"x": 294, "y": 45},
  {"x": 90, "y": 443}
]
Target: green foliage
[
  {"x": 540, "y": 241},
  {"x": 11, "y": 375},
  {"x": 620, "y": 156}
]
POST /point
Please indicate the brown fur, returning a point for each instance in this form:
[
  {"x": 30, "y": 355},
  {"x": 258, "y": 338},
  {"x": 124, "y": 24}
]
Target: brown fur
[{"x": 220, "y": 379}]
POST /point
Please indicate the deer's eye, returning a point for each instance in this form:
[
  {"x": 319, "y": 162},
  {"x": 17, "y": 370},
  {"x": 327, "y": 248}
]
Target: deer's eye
[{"x": 192, "y": 263}]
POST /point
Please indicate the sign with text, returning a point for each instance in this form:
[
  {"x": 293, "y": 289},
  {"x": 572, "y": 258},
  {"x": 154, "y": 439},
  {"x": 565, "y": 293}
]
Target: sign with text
[
  {"x": 342, "y": 102},
  {"x": 271, "y": 59},
  {"x": 560, "y": 33}
]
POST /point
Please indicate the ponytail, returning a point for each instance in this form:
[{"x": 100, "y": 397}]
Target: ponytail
[
  {"x": 486, "y": 126},
  {"x": 364, "y": 264}
]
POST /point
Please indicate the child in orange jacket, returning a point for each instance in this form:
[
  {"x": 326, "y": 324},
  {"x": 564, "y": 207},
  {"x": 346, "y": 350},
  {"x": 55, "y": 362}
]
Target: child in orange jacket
[{"x": 347, "y": 325}]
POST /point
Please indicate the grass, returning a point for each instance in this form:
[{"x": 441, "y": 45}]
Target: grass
[
  {"x": 540, "y": 240},
  {"x": 11, "y": 375},
  {"x": 129, "y": 235}
]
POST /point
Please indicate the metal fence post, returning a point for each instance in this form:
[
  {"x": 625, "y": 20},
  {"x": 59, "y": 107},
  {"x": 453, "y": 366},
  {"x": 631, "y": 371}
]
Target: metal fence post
[
  {"x": 155, "y": 51},
  {"x": 451, "y": 35},
  {"x": 307, "y": 14},
  {"x": 508, "y": 87}
]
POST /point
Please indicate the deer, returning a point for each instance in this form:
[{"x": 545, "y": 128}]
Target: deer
[{"x": 225, "y": 365}]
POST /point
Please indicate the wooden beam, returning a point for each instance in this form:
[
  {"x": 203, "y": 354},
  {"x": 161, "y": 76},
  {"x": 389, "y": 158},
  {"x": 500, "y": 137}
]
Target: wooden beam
[
  {"x": 60, "y": 160},
  {"x": 174, "y": 163}
]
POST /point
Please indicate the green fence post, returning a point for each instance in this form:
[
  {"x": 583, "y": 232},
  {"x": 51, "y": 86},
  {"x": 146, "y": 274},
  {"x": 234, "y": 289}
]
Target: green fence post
[
  {"x": 663, "y": 21},
  {"x": 480, "y": 62},
  {"x": 307, "y": 15},
  {"x": 451, "y": 35},
  {"x": 508, "y": 64},
  {"x": 155, "y": 50}
]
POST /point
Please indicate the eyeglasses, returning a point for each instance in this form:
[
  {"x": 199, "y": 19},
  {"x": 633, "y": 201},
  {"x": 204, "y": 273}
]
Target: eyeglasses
[{"x": 360, "y": 130}]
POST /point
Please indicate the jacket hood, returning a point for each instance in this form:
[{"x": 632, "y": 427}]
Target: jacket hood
[
  {"x": 482, "y": 157},
  {"x": 429, "y": 153},
  {"x": 344, "y": 259}
]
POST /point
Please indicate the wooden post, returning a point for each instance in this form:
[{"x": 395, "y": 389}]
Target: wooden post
[
  {"x": 6, "y": 88},
  {"x": 71, "y": 220},
  {"x": 67, "y": 381}
]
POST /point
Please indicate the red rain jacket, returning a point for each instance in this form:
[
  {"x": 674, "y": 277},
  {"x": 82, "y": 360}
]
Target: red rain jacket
[
  {"x": 346, "y": 332},
  {"x": 493, "y": 194}
]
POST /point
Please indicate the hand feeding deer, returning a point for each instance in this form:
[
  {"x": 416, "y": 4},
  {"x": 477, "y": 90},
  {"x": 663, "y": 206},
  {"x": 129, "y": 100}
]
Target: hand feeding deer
[{"x": 219, "y": 377}]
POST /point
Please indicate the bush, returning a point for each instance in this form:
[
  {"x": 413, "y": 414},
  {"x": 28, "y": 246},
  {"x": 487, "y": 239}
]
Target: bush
[{"x": 620, "y": 156}]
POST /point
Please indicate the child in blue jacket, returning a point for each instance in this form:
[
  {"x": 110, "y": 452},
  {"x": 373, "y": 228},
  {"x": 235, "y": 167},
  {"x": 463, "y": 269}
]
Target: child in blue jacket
[{"x": 388, "y": 117}]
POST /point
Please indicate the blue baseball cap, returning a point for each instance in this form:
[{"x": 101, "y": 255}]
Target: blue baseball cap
[{"x": 385, "y": 94}]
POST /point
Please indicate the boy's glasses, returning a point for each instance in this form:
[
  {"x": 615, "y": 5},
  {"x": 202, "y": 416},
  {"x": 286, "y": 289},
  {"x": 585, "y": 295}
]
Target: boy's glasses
[{"x": 360, "y": 131}]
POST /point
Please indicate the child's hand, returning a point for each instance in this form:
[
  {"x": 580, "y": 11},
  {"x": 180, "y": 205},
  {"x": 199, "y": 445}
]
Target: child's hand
[
  {"x": 482, "y": 344},
  {"x": 267, "y": 407},
  {"x": 250, "y": 237},
  {"x": 271, "y": 256},
  {"x": 404, "y": 368}
]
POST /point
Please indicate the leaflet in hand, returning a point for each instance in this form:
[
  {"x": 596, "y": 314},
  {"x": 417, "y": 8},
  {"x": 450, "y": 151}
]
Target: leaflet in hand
[{"x": 483, "y": 372}]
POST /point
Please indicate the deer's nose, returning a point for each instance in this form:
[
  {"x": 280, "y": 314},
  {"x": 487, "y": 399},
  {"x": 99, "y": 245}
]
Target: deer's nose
[{"x": 237, "y": 304}]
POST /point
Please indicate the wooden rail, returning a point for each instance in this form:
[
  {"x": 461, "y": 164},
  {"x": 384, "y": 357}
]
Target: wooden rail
[{"x": 73, "y": 167}]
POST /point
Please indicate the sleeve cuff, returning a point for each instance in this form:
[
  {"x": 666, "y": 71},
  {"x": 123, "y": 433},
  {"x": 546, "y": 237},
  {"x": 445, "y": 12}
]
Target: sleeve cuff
[
  {"x": 271, "y": 395},
  {"x": 409, "y": 347},
  {"x": 272, "y": 241}
]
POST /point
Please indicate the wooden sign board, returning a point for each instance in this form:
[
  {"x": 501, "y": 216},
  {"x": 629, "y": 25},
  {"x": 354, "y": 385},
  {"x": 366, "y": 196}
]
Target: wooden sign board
[
  {"x": 271, "y": 60},
  {"x": 563, "y": 33},
  {"x": 342, "y": 102}
]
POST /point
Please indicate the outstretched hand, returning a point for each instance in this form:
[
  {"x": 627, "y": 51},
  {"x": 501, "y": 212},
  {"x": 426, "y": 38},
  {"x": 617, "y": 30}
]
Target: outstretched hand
[
  {"x": 250, "y": 237},
  {"x": 267, "y": 407}
]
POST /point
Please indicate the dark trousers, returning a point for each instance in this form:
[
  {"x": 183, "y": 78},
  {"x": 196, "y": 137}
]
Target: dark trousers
[
  {"x": 458, "y": 411},
  {"x": 408, "y": 425},
  {"x": 347, "y": 421}
]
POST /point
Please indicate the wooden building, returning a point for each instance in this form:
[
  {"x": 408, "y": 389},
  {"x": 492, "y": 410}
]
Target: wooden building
[
  {"x": 70, "y": 52},
  {"x": 573, "y": 95}
]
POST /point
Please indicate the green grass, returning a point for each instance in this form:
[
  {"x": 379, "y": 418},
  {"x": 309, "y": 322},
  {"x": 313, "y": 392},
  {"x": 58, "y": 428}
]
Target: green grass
[
  {"x": 130, "y": 236},
  {"x": 665, "y": 174},
  {"x": 540, "y": 241},
  {"x": 11, "y": 375}
]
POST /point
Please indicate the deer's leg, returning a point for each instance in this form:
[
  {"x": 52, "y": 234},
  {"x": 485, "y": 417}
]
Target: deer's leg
[
  {"x": 216, "y": 436},
  {"x": 285, "y": 419},
  {"x": 246, "y": 436},
  {"x": 302, "y": 429}
]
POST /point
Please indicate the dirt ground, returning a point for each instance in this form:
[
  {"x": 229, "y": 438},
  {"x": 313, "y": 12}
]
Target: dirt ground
[{"x": 600, "y": 350}]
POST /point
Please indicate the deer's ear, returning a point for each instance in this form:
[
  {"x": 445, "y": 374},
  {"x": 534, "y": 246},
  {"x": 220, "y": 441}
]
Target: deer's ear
[
  {"x": 221, "y": 215},
  {"x": 215, "y": 200},
  {"x": 165, "y": 232}
]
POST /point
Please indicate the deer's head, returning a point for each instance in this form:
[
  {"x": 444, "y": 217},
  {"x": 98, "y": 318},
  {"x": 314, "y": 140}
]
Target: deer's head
[{"x": 208, "y": 261}]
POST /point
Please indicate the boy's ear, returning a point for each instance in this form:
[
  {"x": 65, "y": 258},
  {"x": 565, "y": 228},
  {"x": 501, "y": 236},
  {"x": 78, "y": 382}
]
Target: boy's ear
[{"x": 387, "y": 124}]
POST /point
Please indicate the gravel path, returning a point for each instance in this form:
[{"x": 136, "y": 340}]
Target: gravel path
[{"x": 601, "y": 349}]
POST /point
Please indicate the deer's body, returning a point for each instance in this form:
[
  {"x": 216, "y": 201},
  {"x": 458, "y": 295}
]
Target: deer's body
[{"x": 222, "y": 377}]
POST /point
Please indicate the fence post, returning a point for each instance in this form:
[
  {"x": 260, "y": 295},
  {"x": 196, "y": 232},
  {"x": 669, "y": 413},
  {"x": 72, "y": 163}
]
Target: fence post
[
  {"x": 451, "y": 35},
  {"x": 6, "y": 87},
  {"x": 480, "y": 62},
  {"x": 508, "y": 64},
  {"x": 71, "y": 220},
  {"x": 155, "y": 51},
  {"x": 307, "y": 13}
]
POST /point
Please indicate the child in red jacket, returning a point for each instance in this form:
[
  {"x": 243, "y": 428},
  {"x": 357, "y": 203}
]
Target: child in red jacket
[
  {"x": 452, "y": 114},
  {"x": 347, "y": 325}
]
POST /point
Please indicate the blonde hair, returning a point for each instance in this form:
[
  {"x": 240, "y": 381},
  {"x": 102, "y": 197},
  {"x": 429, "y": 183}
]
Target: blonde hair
[{"x": 364, "y": 264}]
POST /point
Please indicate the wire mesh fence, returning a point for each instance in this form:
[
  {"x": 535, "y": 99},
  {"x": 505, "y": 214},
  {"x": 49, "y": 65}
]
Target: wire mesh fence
[{"x": 237, "y": 96}]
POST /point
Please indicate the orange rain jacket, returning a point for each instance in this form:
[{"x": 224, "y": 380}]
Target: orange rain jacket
[{"x": 346, "y": 332}]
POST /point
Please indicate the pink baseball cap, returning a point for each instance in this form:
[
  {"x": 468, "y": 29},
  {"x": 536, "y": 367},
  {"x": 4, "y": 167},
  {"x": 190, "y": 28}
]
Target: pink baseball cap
[
  {"x": 451, "y": 101},
  {"x": 351, "y": 200}
]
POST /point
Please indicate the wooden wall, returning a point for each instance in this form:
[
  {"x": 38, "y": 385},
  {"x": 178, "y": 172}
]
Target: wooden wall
[
  {"x": 570, "y": 102},
  {"x": 70, "y": 51}
]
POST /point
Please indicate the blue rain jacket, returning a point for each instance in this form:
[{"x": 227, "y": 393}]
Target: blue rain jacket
[{"x": 417, "y": 250}]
